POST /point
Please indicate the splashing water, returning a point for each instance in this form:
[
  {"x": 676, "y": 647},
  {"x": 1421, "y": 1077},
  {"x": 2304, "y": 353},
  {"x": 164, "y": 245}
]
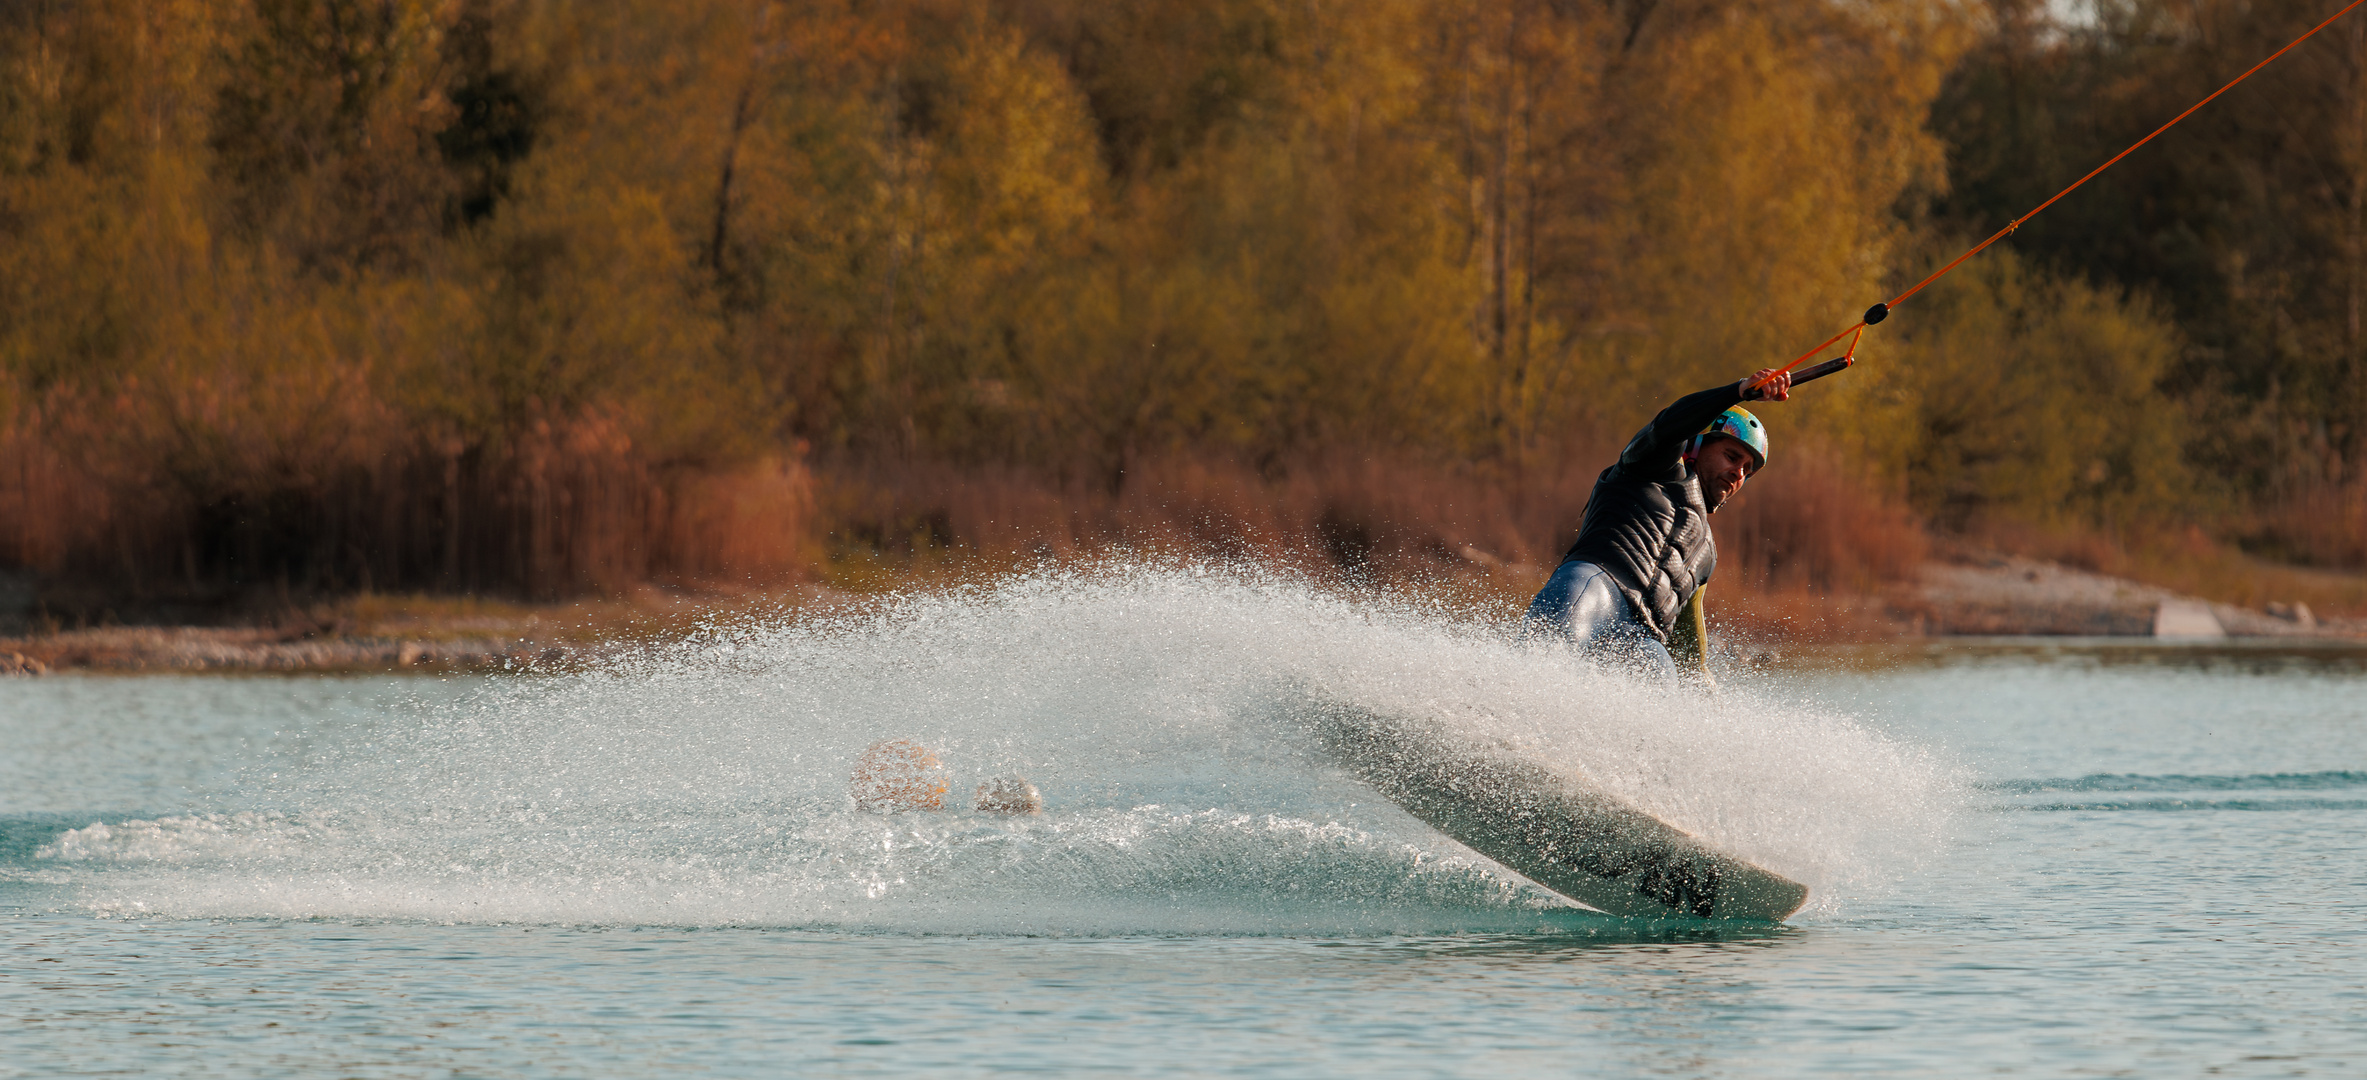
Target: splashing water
[{"x": 1159, "y": 709}]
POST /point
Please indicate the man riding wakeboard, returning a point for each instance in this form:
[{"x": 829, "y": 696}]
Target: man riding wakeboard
[{"x": 1632, "y": 583}]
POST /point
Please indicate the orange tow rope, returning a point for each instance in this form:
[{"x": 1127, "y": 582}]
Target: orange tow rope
[{"x": 1879, "y": 312}]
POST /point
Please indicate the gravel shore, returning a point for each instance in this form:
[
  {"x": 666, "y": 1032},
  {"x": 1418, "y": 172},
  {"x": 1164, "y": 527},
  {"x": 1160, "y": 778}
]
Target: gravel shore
[
  {"x": 2002, "y": 595},
  {"x": 187, "y": 648}
]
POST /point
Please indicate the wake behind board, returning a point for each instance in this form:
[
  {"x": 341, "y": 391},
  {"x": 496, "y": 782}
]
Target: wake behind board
[{"x": 1581, "y": 843}]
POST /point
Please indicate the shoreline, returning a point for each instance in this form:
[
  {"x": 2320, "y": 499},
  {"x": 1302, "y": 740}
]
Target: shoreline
[
  {"x": 1970, "y": 597},
  {"x": 245, "y": 650}
]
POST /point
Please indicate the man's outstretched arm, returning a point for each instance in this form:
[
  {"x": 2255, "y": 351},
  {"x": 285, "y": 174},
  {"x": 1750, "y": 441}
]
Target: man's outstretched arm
[{"x": 1657, "y": 447}]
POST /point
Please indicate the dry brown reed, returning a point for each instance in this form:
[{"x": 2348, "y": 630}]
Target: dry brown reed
[
  {"x": 255, "y": 512},
  {"x": 1813, "y": 524},
  {"x": 1810, "y": 527},
  {"x": 209, "y": 498},
  {"x": 2320, "y": 525}
]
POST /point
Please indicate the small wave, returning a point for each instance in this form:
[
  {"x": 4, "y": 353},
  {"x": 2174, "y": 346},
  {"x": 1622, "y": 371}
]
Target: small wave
[
  {"x": 2310, "y": 781},
  {"x": 23, "y": 835},
  {"x": 2173, "y": 805},
  {"x": 175, "y": 839}
]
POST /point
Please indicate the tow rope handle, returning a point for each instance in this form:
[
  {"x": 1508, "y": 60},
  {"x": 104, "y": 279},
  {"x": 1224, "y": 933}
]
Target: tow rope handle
[
  {"x": 1829, "y": 367},
  {"x": 1833, "y": 366}
]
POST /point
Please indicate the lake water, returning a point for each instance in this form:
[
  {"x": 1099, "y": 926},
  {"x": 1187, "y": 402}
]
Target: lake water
[{"x": 2027, "y": 858}]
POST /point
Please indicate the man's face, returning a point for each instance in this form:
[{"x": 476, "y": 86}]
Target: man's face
[{"x": 1723, "y": 464}]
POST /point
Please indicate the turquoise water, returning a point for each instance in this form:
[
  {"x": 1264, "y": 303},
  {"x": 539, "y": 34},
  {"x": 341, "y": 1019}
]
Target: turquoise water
[{"x": 2065, "y": 859}]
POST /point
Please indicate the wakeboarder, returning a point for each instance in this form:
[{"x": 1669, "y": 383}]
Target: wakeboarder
[{"x": 1630, "y": 587}]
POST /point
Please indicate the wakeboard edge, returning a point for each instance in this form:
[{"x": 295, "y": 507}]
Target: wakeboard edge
[{"x": 1566, "y": 836}]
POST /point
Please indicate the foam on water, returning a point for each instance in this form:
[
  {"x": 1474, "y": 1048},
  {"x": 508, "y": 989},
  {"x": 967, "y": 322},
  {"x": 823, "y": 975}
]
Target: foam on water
[{"x": 1159, "y": 709}]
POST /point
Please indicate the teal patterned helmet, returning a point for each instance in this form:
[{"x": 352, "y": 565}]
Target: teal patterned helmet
[{"x": 1738, "y": 423}]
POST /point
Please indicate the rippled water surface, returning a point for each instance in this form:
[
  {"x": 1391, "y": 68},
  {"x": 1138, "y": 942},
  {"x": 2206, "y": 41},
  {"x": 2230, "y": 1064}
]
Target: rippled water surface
[{"x": 2060, "y": 859}]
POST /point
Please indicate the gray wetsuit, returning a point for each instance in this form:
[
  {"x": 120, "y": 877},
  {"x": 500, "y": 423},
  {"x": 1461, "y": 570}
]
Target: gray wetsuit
[{"x": 1581, "y": 604}]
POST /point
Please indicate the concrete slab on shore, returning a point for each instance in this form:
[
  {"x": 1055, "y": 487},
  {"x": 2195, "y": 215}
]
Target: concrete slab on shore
[{"x": 2186, "y": 619}]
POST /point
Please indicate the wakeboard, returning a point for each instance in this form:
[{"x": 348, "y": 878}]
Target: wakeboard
[{"x": 1552, "y": 829}]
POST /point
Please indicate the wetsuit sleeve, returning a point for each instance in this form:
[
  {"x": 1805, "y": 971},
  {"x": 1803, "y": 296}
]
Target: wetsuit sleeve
[{"x": 1655, "y": 449}]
